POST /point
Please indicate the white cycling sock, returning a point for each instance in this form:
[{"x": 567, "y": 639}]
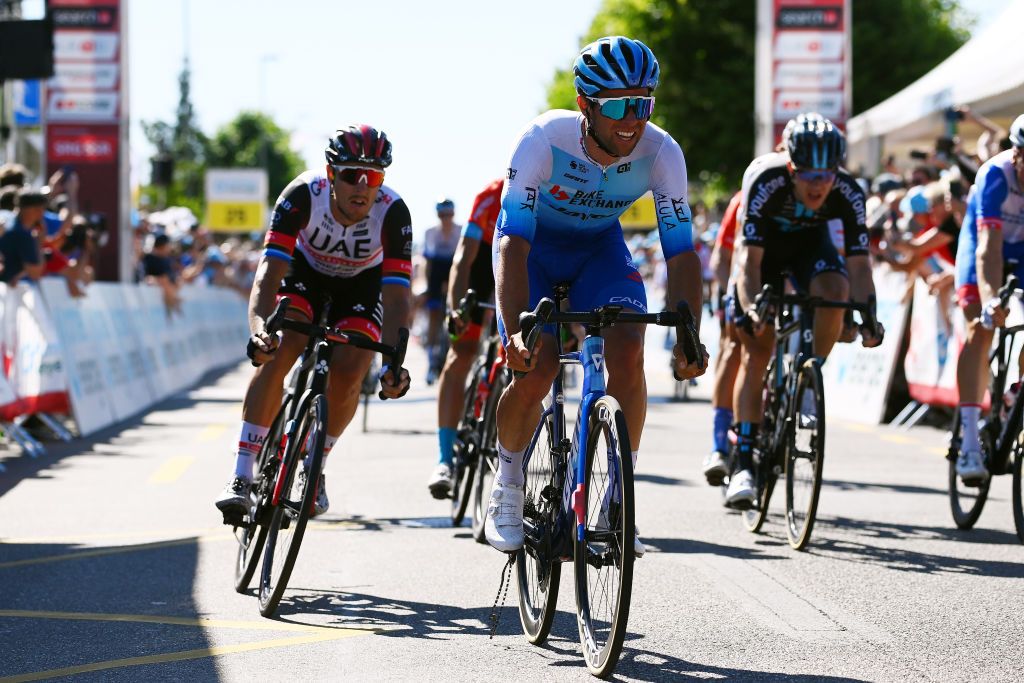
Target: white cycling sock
[
  {"x": 510, "y": 466},
  {"x": 635, "y": 454},
  {"x": 249, "y": 443},
  {"x": 970, "y": 413},
  {"x": 329, "y": 442}
]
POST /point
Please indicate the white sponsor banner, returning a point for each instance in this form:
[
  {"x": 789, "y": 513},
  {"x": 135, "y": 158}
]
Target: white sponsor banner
[
  {"x": 937, "y": 333},
  {"x": 93, "y": 107},
  {"x": 809, "y": 45},
  {"x": 8, "y": 399},
  {"x": 122, "y": 359},
  {"x": 81, "y": 326},
  {"x": 84, "y": 76},
  {"x": 236, "y": 184},
  {"x": 808, "y": 76},
  {"x": 86, "y": 46},
  {"x": 857, "y": 380},
  {"x": 37, "y": 370},
  {"x": 789, "y": 103}
]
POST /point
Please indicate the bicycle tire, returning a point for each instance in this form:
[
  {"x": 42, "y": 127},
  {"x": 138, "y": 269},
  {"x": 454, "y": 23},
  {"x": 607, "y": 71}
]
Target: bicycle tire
[
  {"x": 466, "y": 453},
  {"x": 766, "y": 454},
  {"x": 290, "y": 514},
  {"x": 487, "y": 463},
  {"x": 538, "y": 570},
  {"x": 607, "y": 542},
  {"x": 965, "y": 502},
  {"x": 805, "y": 450},
  {"x": 252, "y": 537},
  {"x": 1018, "y": 488}
]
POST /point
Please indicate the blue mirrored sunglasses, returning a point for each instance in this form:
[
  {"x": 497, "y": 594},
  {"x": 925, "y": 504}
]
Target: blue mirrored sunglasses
[
  {"x": 615, "y": 108},
  {"x": 815, "y": 175}
]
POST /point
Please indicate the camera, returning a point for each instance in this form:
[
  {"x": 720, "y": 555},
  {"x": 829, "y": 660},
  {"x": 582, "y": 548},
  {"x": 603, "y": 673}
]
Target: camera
[
  {"x": 918, "y": 154},
  {"x": 953, "y": 114}
]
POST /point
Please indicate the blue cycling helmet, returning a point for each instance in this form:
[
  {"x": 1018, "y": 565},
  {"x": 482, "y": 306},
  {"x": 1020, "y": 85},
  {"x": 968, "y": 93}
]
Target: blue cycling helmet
[
  {"x": 615, "y": 63},
  {"x": 813, "y": 142},
  {"x": 1017, "y": 132},
  {"x": 445, "y": 204}
]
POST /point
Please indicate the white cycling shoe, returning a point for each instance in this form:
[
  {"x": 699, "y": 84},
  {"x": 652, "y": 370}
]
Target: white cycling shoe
[
  {"x": 971, "y": 467},
  {"x": 716, "y": 467},
  {"x": 504, "y": 524},
  {"x": 740, "y": 493}
]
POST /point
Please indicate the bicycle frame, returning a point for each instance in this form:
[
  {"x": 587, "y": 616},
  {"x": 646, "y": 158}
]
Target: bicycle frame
[{"x": 1000, "y": 429}]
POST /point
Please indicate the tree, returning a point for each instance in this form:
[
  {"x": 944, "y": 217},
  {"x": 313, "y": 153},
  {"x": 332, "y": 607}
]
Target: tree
[
  {"x": 706, "y": 52},
  {"x": 253, "y": 140}
]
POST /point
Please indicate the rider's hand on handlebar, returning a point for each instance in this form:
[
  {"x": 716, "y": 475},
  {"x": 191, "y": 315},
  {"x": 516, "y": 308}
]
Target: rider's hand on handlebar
[
  {"x": 993, "y": 315},
  {"x": 871, "y": 338},
  {"x": 262, "y": 346},
  {"x": 456, "y": 325},
  {"x": 848, "y": 335},
  {"x": 517, "y": 356},
  {"x": 387, "y": 383},
  {"x": 757, "y": 326},
  {"x": 686, "y": 371}
]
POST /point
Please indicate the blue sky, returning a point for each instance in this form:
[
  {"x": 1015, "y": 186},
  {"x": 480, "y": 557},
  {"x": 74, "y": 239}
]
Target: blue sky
[{"x": 452, "y": 82}]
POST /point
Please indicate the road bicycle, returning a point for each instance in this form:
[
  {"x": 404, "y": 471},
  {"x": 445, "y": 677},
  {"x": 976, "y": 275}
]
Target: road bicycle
[
  {"x": 278, "y": 513},
  {"x": 579, "y": 493},
  {"x": 475, "y": 460},
  {"x": 1002, "y": 443},
  {"x": 791, "y": 440},
  {"x": 367, "y": 390}
]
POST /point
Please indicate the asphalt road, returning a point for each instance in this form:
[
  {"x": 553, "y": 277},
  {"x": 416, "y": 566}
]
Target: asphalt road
[{"x": 113, "y": 565}]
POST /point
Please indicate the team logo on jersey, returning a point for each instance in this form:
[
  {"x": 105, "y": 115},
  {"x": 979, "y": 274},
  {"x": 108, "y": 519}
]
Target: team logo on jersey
[
  {"x": 359, "y": 308},
  {"x": 624, "y": 168},
  {"x": 511, "y": 173},
  {"x": 863, "y": 239},
  {"x": 682, "y": 210},
  {"x": 531, "y": 199},
  {"x": 558, "y": 193},
  {"x": 749, "y": 229},
  {"x": 317, "y": 186},
  {"x": 820, "y": 266}
]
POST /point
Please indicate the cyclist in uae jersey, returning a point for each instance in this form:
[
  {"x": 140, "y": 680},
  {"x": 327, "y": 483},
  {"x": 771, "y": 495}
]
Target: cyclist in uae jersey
[
  {"x": 471, "y": 270},
  {"x": 791, "y": 202},
  {"x": 572, "y": 174},
  {"x": 992, "y": 236},
  {"x": 339, "y": 245}
]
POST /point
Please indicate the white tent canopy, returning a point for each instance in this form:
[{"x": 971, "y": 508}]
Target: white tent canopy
[{"x": 986, "y": 73}]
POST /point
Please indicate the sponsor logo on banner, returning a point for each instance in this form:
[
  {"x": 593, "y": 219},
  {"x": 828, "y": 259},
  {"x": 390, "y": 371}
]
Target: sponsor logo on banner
[
  {"x": 809, "y": 17},
  {"x": 83, "y": 148},
  {"x": 98, "y": 107},
  {"x": 85, "y": 46},
  {"x": 808, "y": 76},
  {"x": 84, "y": 17},
  {"x": 809, "y": 45},
  {"x": 790, "y": 103},
  {"x": 84, "y": 76}
]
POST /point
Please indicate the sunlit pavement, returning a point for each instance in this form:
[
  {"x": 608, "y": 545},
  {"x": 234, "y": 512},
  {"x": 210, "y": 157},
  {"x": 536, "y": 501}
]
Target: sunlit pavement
[{"x": 114, "y": 565}]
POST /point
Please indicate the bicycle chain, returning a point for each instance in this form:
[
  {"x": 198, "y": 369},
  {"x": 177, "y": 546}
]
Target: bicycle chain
[{"x": 495, "y": 608}]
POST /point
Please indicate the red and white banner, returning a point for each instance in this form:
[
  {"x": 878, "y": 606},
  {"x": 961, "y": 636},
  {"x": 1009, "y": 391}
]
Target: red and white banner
[{"x": 937, "y": 334}]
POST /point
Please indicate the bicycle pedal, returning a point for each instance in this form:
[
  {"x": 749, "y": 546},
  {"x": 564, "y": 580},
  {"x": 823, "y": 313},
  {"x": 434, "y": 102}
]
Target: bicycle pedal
[{"x": 234, "y": 518}]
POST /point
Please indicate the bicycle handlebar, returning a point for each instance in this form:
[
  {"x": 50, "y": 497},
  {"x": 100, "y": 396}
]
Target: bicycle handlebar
[
  {"x": 467, "y": 305},
  {"x": 1008, "y": 290},
  {"x": 767, "y": 296},
  {"x": 272, "y": 326}
]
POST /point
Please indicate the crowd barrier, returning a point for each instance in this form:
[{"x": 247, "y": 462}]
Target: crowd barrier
[{"x": 111, "y": 354}]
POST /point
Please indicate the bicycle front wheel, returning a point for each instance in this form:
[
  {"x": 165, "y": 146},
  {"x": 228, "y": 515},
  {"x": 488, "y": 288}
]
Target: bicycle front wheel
[
  {"x": 1018, "y": 488},
  {"x": 467, "y": 449},
  {"x": 965, "y": 502},
  {"x": 295, "y": 507},
  {"x": 766, "y": 464},
  {"x": 253, "y": 536},
  {"x": 487, "y": 461},
  {"x": 805, "y": 454},
  {"x": 538, "y": 569},
  {"x": 604, "y": 545}
]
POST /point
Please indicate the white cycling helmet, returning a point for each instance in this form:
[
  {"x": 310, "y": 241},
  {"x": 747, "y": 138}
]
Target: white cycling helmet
[{"x": 1017, "y": 132}]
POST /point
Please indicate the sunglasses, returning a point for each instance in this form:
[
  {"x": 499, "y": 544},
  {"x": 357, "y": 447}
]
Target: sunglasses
[
  {"x": 616, "y": 108},
  {"x": 353, "y": 175},
  {"x": 815, "y": 176}
]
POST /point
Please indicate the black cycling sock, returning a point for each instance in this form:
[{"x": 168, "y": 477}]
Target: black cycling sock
[{"x": 746, "y": 438}]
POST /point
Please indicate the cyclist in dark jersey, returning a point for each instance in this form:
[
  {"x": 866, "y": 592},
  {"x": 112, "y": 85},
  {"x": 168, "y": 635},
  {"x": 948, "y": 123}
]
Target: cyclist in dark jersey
[
  {"x": 791, "y": 201},
  {"x": 471, "y": 270},
  {"x": 338, "y": 239}
]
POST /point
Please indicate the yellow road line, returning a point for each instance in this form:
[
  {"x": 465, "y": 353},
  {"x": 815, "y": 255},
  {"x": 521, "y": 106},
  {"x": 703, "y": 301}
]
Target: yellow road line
[
  {"x": 335, "y": 634},
  {"x": 172, "y": 469},
  {"x": 169, "y": 533},
  {"x": 212, "y": 432},
  {"x": 262, "y": 625},
  {"x": 898, "y": 438},
  {"x": 855, "y": 426},
  {"x": 938, "y": 451},
  {"x": 100, "y": 552}
]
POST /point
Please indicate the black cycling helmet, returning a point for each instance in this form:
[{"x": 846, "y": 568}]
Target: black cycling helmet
[
  {"x": 359, "y": 144},
  {"x": 813, "y": 142}
]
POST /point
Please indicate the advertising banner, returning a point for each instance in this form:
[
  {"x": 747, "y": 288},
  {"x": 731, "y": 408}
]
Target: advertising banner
[{"x": 236, "y": 199}]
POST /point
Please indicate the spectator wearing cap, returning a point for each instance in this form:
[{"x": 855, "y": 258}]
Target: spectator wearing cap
[
  {"x": 8, "y": 197},
  {"x": 19, "y": 245},
  {"x": 157, "y": 268}
]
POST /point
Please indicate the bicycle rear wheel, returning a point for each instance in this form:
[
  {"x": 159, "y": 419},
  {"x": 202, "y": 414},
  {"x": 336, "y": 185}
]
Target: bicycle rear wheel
[
  {"x": 467, "y": 449},
  {"x": 965, "y": 502},
  {"x": 538, "y": 569},
  {"x": 253, "y": 536},
  {"x": 295, "y": 507},
  {"x": 487, "y": 463},
  {"x": 766, "y": 463},
  {"x": 603, "y": 557},
  {"x": 805, "y": 454}
]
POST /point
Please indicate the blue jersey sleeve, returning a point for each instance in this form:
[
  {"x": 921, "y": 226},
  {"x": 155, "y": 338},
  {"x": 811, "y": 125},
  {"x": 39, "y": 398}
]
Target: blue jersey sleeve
[
  {"x": 992, "y": 192},
  {"x": 530, "y": 166},
  {"x": 668, "y": 185},
  {"x": 472, "y": 231}
]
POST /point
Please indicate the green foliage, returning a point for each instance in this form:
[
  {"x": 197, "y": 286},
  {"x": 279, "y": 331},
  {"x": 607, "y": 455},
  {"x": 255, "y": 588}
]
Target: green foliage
[
  {"x": 253, "y": 140},
  {"x": 706, "y": 52}
]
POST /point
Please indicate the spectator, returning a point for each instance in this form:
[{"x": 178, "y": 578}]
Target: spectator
[
  {"x": 8, "y": 195},
  {"x": 156, "y": 268},
  {"x": 18, "y": 245}
]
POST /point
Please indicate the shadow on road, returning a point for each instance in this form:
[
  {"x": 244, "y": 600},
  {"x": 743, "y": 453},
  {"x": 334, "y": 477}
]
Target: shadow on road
[
  {"x": 663, "y": 481},
  {"x": 695, "y": 547},
  {"x": 875, "y": 486}
]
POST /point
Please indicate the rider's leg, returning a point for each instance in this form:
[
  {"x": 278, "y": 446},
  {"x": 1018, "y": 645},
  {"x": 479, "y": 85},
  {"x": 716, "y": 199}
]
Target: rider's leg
[
  {"x": 972, "y": 375},
  {"x": 828, "y": 322},
  {"x": 347, "y": 370},
  {"x": 755, "y": 353},
  {"x": 518, "y": 410},
  {"x": 450, "y": 399},
  {"x": 624, "y": 354},
  {"x": 726, "y": 369}
]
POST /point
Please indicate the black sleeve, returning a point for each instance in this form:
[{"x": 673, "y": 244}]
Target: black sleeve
[
  {"x": 853, "y": 214},
  {"x": 291, "y": 212},
  {"x": 764, "y": 199},
  {"x": 396, "y": 239}
]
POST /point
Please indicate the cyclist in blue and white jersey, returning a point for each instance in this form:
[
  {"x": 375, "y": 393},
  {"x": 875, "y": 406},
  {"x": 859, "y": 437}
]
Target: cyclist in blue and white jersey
[
  {"x": 571, "y": 177},
  {"x": 992, "y": 237}
]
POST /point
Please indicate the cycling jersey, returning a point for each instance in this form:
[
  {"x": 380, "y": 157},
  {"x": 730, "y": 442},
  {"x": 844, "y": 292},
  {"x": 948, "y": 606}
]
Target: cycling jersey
[
  {"x": 995, "y": 202},
  {"x": 302, "y": 220},
  {"x": 555, "y": 192},
  {"x": 484, "y": 215},
  {"x": 726, "y": 237}
]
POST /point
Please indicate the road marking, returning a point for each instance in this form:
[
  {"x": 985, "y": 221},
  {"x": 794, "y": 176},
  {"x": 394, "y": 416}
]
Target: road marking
[
  {"x": 170, "y": 534},
  {"x": 212, "y": 432},
  {"x": 938, "y": 451},
  {"x": 262, "y": 625},
  {"x": 898, "y": 438},
  {"x": 100, "y": 552},
  {"x": 202, "y": 653},
  {"x": 172, "y": 469}
]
